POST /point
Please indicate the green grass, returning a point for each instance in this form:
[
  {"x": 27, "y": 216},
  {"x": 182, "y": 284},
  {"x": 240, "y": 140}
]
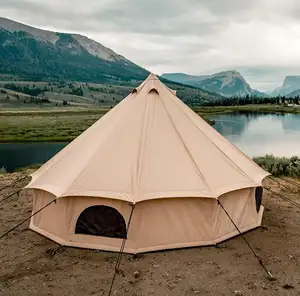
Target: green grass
[
  {"x": 47, "y": 126},
  {"x": 41, "y": 128},
  {"x": 65, "y": 124},
  {"x": 247, "y": 108}
]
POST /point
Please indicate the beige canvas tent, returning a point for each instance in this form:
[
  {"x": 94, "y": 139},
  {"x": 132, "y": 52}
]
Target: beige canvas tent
[{"x": 153, "y": 154}]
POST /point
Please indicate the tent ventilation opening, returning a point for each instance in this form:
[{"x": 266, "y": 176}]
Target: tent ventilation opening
[
  {"x": 101, "y": 221},
  {"x": 153, "y": 91}
]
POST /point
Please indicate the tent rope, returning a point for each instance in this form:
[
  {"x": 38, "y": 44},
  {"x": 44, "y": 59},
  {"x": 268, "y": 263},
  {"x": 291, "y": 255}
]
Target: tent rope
[
  {"x": 117, "y": 266},
  {"x": 291, "y": 182},
  {"x": 11, "y": 195},
  {"x": 283, "y": 197},
  {"x": 13, "y": 183},
  {"x": 254, "y": 253},
  {"x": 23, "y": 221},
  {"x": 278, "y": 182}
]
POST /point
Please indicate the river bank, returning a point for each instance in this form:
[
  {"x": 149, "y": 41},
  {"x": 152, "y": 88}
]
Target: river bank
[
  {"x": 270, "y": 108},
  {"x": 66, "y": 124}
]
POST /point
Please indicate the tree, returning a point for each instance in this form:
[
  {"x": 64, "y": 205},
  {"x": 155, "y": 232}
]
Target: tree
[{"x": 65, "y": 103}]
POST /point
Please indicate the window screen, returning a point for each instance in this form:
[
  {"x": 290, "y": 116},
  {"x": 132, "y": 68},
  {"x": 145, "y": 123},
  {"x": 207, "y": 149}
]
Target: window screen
[{"x": 101, "y": 221}]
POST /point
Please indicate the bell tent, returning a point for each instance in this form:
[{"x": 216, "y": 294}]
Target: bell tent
[{"x": 151, "y": 172}]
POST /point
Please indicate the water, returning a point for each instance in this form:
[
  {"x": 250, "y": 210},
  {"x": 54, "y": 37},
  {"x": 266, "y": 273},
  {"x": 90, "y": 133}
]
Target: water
[
  {"x": 16, "y": 155},
  {"x": 254, "y": 134},
  {"x": 261, "y": 134}
]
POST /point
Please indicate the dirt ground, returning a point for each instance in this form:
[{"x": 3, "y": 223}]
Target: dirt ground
[{"x": 32, "y": 265}]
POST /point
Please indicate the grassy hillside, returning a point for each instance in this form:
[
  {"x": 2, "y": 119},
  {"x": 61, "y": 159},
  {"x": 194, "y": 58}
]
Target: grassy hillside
[
  {"x": 28, "y": 95},
  {"x": 27, "y": 56}
]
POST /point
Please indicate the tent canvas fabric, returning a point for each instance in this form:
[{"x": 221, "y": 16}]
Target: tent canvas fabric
[{"x": 151, "y": 151}]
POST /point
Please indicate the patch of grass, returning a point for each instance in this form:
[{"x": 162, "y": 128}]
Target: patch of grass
[
  {"x": 30, "y": 167},
  {"x": 63, "y": 125},
  {"x": 270, "y": 108},
  {"x": 40, "y": 128},
  {"x": 280, "y": 166}
]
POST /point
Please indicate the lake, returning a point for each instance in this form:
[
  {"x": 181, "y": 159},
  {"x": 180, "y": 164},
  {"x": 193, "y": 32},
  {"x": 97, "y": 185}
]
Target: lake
[
  {"x": 17, "y": 155},
  {"x": 255, "y": 134}
]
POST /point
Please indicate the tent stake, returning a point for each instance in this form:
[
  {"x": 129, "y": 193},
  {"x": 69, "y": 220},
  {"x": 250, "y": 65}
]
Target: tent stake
[
  {"x": 270, "y": 276},
  {"x": 117, "y": 266}
]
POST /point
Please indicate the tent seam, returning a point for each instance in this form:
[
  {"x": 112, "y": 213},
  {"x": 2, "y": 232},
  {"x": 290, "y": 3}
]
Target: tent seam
[
  {"x": 141, "y": 151},
  {"x": 186, "y": 148},
  {"x": 227, "y": 157}
]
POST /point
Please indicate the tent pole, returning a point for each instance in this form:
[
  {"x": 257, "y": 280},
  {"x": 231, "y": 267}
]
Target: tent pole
[
  {"x": 117, "y": 269},
  {"x": 271, "y": 277}
]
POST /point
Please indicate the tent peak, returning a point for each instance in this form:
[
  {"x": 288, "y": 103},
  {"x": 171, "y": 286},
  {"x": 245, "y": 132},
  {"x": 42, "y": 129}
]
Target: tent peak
[{"x": 152, "y": 77}]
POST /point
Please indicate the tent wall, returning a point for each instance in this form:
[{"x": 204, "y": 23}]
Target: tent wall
[{"x": 156, "y": 224}]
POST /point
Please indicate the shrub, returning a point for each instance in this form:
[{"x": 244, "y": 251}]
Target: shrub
[{"x": 280, "y": 166}]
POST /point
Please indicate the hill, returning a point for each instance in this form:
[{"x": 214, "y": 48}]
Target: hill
[
  {"x": 55, "y": 59},
  {"x": 28, "y": 94},
  {"x": 36, "y": 54},
  {"x": 184, "y": 78},
  {"x": 227, "y": 83}
]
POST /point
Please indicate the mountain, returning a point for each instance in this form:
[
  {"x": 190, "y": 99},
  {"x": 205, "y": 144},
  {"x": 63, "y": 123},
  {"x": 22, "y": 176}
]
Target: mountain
[
  {"x": 227, "y": 83},
  {"x": 293, "y": 94},
  {"x": 184, "y": 78},
  {"x": 289, "y": 86},
  {"x": 36, "y": 54}
]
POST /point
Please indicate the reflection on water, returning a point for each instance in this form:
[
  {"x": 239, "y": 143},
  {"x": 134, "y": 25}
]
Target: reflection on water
[
  {"x": 260, "y": 134},
  {"x": 254, "y": 134}
]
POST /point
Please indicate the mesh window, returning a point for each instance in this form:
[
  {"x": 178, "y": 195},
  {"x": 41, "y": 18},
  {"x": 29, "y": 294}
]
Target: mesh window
[{"x": 101, "y": 221}]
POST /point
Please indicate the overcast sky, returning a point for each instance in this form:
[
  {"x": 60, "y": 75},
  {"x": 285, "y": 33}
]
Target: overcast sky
[{"x": 260, "y": 38}]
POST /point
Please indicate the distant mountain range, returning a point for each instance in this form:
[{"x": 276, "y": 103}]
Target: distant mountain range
[
  {"x": 289, "y": 88},
  {"x": 28, "y": 53},
  {"x": 38, "y": 55},
  {"x": 227, "y": 83}
]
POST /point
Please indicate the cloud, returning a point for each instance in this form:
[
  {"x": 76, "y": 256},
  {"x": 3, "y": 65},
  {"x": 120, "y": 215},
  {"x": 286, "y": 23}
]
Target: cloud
[{"x": 259, "y": 37}]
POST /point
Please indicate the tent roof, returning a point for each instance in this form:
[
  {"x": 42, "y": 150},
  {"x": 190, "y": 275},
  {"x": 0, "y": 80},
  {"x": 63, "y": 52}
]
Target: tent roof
[{"x": 151, "y": 145}]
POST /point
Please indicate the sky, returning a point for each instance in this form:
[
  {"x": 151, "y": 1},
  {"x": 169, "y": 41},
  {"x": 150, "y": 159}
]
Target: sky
[{"x": 259, "y": 38}]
